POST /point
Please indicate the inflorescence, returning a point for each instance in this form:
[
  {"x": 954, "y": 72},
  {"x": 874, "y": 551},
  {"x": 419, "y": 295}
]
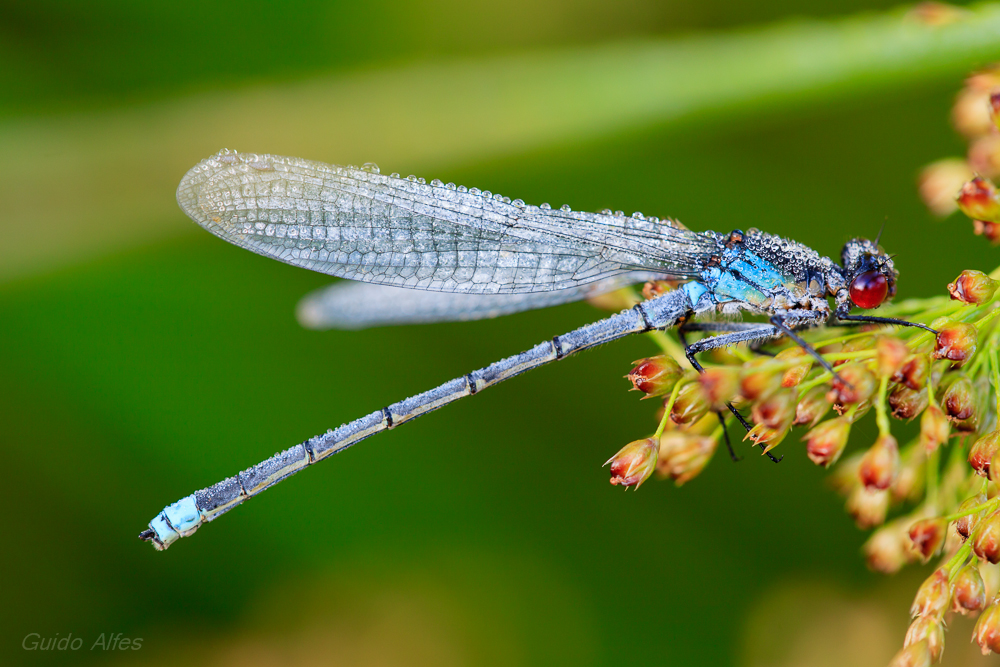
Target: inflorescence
[{"x": 936, "y": 496}]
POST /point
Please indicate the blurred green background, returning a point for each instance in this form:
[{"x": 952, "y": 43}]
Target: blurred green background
[{"x": 142, "y": 358}]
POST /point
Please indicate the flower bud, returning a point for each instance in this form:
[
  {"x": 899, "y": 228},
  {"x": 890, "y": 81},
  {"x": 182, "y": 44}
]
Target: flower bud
[
  {"x": 933, "y": 596},
  {"x": 980, "y": 200},
  {"x": 939, "y": 183},
  {"x": 880, "y": 464},
  {"x": 914, "y": 372},
  {"x": 966, "y": 524},
  {"x": 655, "y": 376},
  {"x": 970, "y": 114},
  {"x": 994, "y": 474},
  {"x": 914, "y": 655},
  {"x": 982, "y": 452},
  {"x": 655, "y": 288},
  {"x": 970, "y": 591},
  {"x": 825, "y": 443},
  {"x": 812, "y": 407},
  {"x": 988, "y": 230},
  {"x": 690, "y": 405},
  {"x": 934, "y": 428},
  {"x": 930, "y": 630},
  {"x": 984, "y": 155},
  {"x": 906, "y": 403},
  {"x": 986, "y": 539},
  {"x": 760, "y": 378},
  {"x": 853, "y": 384},
  {"x": 927, "y": 536},
  {"x": 634, "y": 463},
  {"x": 956, "y": 342},
  {"x": 887, "y": 550},
  {"x": 890, "y": 355},
  {"x": 798, "y": 364},
  {"x": 720, "y": 385},
  {"x": 973, "y": 287},
  {"x": 776, "y": 411},
  {"x": 765, "y": 436},
  {"x": 987, "y": 630},
  {"x": 867, "y": 508},
  {"x": 957, "y": 398},
  {"x": 683, "y": 456}
]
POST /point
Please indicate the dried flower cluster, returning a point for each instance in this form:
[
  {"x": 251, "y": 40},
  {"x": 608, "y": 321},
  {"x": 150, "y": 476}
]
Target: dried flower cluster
[{"x": 935, "y": 496}]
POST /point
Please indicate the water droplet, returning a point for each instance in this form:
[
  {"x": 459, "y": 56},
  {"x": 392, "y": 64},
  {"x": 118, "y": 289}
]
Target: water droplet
[
  {"x": 753, "y": 230},
  {"x": 565, "y": 207},
  {"x": 411, "y": 177},
  {"x": 487, "y": 194},
  {"x": 638, "y": 216},
  {"x": 518, "y": 203},
  {"x": 436, "y": 183},
  {"x": 475, "y": 191},
  {"x": 421, "y": 181},
  {"x": 462, "y": 188},
  {"x": 394, "y": 174},
  {"x": 653, "y": 218},
  {"x": 450, "y": 186},
  {"x": 605, "y": 211},
  {"x": 619, "y": 214},
  {"x": 545, "y": 206},
  {"x": 370, "y": 166}
]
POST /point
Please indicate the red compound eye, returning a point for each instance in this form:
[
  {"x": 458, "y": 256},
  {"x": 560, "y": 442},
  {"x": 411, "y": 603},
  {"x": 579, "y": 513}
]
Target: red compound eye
[{"x": 869, "y": 289}]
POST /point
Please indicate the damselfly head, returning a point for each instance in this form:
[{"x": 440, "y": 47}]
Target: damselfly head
[{"x": 869, "y": 273}]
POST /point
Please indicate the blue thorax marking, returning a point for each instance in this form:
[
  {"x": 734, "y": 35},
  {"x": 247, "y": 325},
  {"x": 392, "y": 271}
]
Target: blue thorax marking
[{"x": 742, "y": 276}]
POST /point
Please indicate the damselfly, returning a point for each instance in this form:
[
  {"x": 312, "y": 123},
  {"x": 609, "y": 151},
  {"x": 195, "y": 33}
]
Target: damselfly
[{"x": 437, "y": 252}]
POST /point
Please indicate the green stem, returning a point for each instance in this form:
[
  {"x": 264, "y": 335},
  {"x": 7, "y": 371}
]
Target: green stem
[
  {"x": 667, "y": 408},
  {"x": 881, "y": 416}
]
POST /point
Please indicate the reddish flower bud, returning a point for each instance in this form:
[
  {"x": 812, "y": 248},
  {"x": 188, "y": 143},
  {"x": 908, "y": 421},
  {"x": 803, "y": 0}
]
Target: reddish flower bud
[
  {"x": 986, "y": 539},
  {"x": 980, "y": 200},
  {"x": 984, "y": 155},
  {"x": 930, "y": 630},
  {"x": 956, "y": 342},
  {"x": 966, "y": 524},
  {"x": 776, "y": 411},
  {"x": 655, "y": 288},
  {"x": 973, "y": 287},
  {"x": 854, "y": 384},
  {"x": 987, "y": 630},
  {"x": 989, "y": 230},
  {"x": 888, "y": 549},
  {"x": 655, "y": 376},
  {"x": 765, "y": 436},
  {"x": 970, "y": 591},
  {"x": 957, "y": 397},
  {"x": 890, "y": 355},
  {"x": 867, "y": 508},
  {"x": 683, "y": 456},
  {"x": 825, "y": 443},
  {"x": 720, "y": 385},
  {"x": 812, "y": 407},
  {"x": 914, "y": 372},
  {"x": 906, "y": 403},
  {"x": 634, "y": 463},
  {"x": 927, "y": 536},
  {"x": 933, "y": 596},
  {"x": 934, "y": 428},
  {"x": 970, "y": 114},
  {"x": 690, "y": 405},
  {"x": 760, "y": 378},
  {"x": 909, "y": 485},
  {"x": 797, "y": 361},
  {"x": 914, "y": 655},
  {"x": 880, "y": 464},
  {"x": 940, "y": 182},
  {"x": 982, "y": 452}
]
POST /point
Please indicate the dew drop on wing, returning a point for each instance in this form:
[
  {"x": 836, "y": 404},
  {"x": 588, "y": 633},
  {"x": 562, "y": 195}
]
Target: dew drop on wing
[
  {"x": 437, "y": 183},
  {"x": 370, "y": 166}
]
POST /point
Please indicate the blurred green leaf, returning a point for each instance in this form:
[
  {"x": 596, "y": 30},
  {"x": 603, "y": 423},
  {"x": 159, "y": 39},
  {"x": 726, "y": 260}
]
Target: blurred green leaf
[{"x": 91, "y": 183}]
